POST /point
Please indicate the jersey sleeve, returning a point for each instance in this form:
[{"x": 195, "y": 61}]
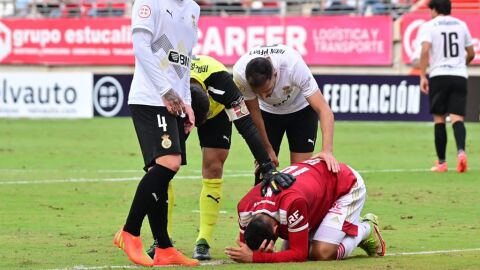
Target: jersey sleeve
[
  {"x": 142, "y": 15},
  {"x": 424, "y": 34},
  {"x": 297, "y": 222},
  {"x": 186, "y": 94},
  {"x": 241, "y": 82},
  {"x": 303, "y": 78},
  {"x": 468, "y": 37},
  {"x": 141, "y": 40}
]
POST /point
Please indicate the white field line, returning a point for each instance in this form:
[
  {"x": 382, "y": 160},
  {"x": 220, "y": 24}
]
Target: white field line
[
  {"x": 184, "y": 177},
  {"x": 219, "y": 262},
  {"x": 87, "y": 180},
  {"x": 81, "y": 267},
  {"x": 433, "y": 252},
  {"x": 198, "y": 211}
]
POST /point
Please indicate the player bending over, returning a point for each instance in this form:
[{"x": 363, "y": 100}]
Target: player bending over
[
  {"x": 320, "y": 212},
  {"x": 210, "y": 80}
]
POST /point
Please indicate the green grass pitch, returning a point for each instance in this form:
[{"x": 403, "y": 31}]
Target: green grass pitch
[{"x": 66, "y": 187}]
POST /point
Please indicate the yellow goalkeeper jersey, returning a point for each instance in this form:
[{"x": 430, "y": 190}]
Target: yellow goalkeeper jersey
[{"x": 201, "y": 69}]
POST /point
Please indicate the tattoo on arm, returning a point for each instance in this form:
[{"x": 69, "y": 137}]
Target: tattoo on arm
[{"x": 171, "y": 96}]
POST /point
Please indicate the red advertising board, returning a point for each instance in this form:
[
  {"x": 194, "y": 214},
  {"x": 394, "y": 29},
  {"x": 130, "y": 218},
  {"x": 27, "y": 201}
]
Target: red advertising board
[
  {"x": 66, "y": 41},
  {"x": 412, "y": 22},
  {"x": 333, "y": 40}
]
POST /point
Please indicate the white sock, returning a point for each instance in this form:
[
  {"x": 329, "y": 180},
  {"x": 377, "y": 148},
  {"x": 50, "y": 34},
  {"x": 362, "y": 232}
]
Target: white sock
[{"x": 349, "y": 243}]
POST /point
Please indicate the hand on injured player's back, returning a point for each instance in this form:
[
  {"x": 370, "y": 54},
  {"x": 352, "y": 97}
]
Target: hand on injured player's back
[
  {"x": 330, "y": 160},
  {"x": 173, "y": 102},
  {"x": 273, "y": 179}
]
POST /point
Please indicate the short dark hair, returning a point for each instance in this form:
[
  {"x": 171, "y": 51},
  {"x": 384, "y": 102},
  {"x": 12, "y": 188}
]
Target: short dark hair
[
  {"x": 443, "y": 7},
  {"x": 200, "y": 104},
  {"x": 258, "y": 71},
  {"x": 258, "y": 230}
]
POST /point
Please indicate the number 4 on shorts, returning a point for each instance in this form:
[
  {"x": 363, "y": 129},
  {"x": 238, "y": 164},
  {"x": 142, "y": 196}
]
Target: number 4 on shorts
[{"x": 161, "y": 122}]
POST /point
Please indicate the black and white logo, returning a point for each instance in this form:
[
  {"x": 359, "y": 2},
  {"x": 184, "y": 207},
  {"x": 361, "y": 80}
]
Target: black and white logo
[
  {"x": 178, "y": 58},
  {"x": 108, "y": 96}
]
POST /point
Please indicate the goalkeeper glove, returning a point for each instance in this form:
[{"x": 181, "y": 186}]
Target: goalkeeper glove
[{"x": 270, "y": 177}]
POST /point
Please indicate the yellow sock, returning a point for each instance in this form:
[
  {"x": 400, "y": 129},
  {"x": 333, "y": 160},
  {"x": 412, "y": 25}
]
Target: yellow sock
[
  {"x": 210, "y": 198},
  {"x": 171, "y": 204}
]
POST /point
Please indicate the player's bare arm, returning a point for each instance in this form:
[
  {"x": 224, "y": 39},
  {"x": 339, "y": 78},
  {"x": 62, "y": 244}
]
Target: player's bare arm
[
  {"x": 174, "y": 103},
  {"x": 470, "y": 54},
  {"x": 424, "y": 56},
  {"x": 318, "y": 103},
  {"x": 190, "y": 121}
]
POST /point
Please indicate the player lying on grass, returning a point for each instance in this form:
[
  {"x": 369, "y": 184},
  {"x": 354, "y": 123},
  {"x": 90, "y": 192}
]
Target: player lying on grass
[{"x": 319, "y": 213}]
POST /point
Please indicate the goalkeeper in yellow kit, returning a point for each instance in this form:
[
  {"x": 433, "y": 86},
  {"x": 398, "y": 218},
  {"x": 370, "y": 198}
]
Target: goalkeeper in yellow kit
[{"x": 211, "y": 77}]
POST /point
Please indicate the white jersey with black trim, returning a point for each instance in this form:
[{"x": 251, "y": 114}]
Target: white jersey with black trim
[
  {"x": 448, "y": 37},
  {"x": 294, "y": 82},
  {"x": 173, "y": 25}
]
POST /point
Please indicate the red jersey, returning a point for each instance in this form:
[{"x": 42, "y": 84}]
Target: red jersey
[{"x": 298, "y": 209}]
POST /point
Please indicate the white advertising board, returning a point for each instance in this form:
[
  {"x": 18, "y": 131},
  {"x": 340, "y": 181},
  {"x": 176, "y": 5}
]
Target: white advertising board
[{"x": 46, "y": 95}]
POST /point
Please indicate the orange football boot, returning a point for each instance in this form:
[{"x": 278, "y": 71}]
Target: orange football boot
[
  {"x": 171, "y": 256},
  {"x": 133, "y": 247},
  {"x": 439, "y": 167},
  {"x": 462, "y": 162}
]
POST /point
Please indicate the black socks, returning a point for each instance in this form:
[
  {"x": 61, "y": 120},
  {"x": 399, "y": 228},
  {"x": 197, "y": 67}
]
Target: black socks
[
  {"x": 151, "y": 198},
  {"x": 460, "y": 134},
  {"x": 440, "y": 141}
]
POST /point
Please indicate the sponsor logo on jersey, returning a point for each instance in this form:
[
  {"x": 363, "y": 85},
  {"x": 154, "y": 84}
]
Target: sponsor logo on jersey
[
  {"x": 269, "y": 194},
  {"x": 199, "y": 68},
  {"x": 178, "y": 59}
]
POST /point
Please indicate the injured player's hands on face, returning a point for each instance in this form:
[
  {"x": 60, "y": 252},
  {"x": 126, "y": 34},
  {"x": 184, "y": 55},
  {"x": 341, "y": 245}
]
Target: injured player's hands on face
[
  {"x": 240, "y": 254},
  {"x": 267, "y": 246}
]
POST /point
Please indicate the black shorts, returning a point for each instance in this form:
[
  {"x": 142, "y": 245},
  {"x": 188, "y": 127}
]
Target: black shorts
[
  {"x": 216, "y": 132},
  {"x": 448, "y": 94},
  {"x": 301, "y": 128},
  {"x": 159, "y": 133}
]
